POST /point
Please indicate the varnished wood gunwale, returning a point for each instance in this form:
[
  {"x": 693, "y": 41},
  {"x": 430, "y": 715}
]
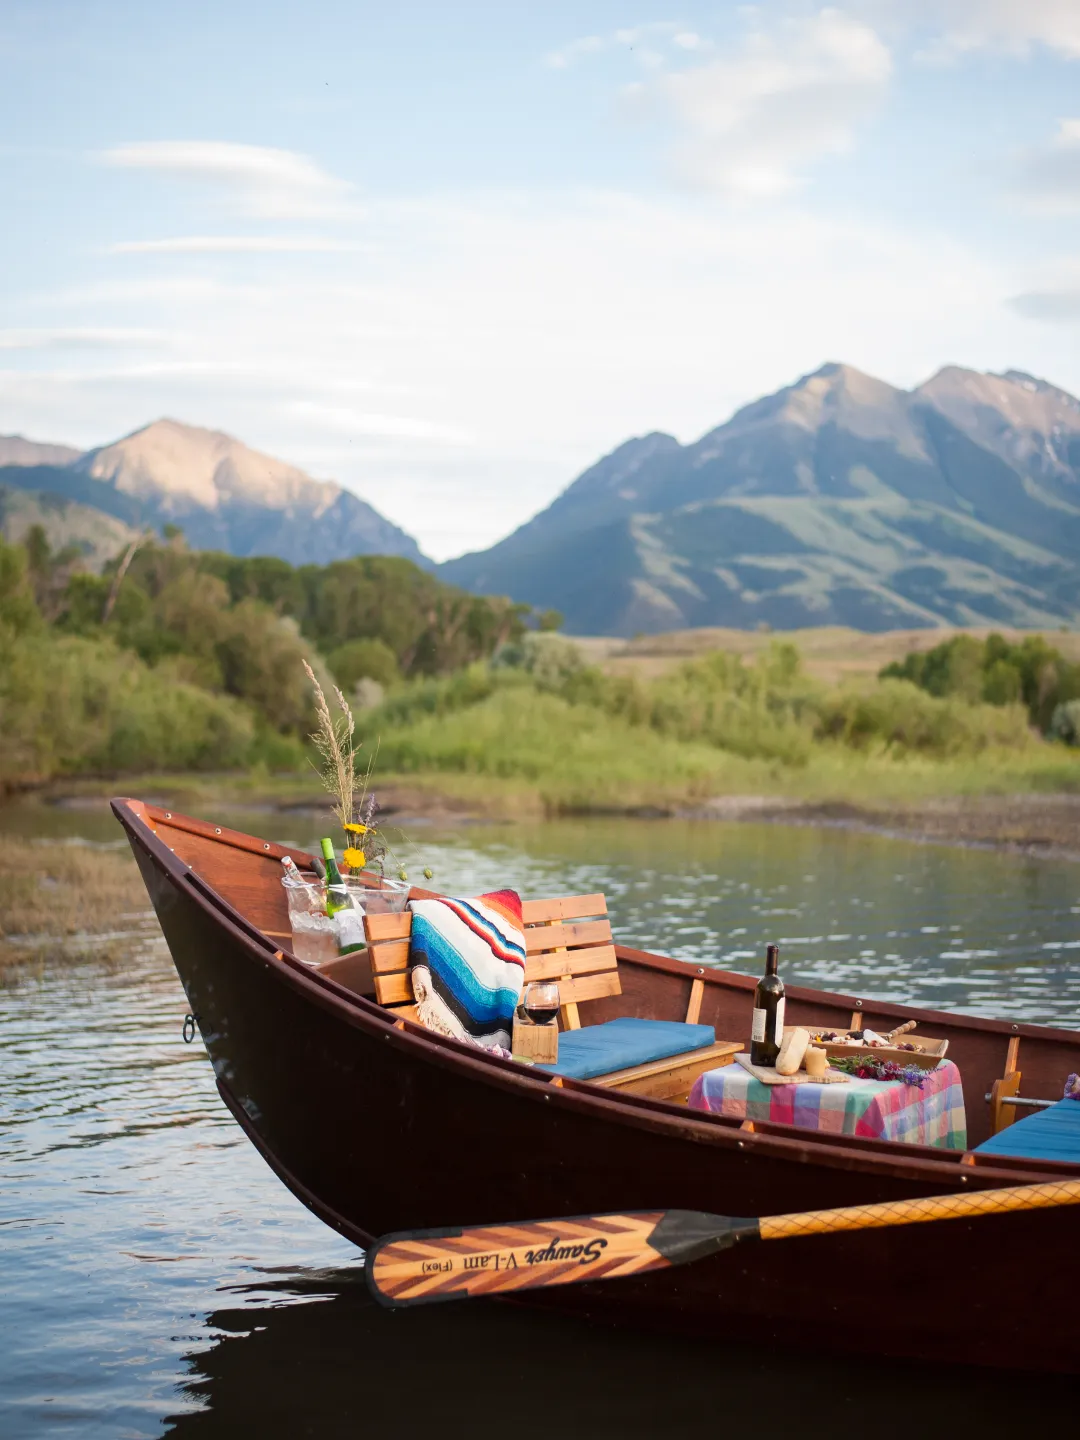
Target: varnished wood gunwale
[{"x": 366, "y": 1167}]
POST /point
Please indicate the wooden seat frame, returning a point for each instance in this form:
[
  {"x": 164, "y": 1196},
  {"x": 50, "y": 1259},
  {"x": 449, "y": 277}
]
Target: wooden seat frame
[{"x": 567, "y": 939}]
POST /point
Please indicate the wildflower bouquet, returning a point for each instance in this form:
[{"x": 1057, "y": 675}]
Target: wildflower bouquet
[{"x": 355, "y": 804}]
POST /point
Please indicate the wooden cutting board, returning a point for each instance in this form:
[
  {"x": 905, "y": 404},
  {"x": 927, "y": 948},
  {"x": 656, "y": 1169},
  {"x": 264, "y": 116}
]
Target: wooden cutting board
[{"x": 769, "y": 1076}]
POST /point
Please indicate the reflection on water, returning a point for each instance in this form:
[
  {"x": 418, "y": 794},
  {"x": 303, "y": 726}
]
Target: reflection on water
[
  {"x": 157, "y": 1278},
  {"x": 316, "y": 1356}
]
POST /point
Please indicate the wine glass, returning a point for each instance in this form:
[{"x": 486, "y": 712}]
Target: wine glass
[{"x": 541, "y": 1002}]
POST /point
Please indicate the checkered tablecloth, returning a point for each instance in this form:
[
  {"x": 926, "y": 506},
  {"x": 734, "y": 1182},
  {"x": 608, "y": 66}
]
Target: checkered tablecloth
[{"x": 881, "y": 1110}]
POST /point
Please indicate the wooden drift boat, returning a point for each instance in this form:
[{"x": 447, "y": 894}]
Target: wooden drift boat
[{"x": 378, "y": 1125}]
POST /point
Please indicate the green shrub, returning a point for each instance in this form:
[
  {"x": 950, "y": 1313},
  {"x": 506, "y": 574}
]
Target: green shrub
[
  {"x": 898, "y": 716},
  {"x": 69, "y": 704},
  {"x": 358, "y": 660},
  {"x": 996, "y": 671},
  {"x": 1065, "y": 724},
  {"x": 18, "y": 609},
  {"x": 550, "y": 659}
]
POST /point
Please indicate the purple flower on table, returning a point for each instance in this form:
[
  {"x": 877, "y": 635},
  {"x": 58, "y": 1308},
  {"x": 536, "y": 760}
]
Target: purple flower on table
[{"x": 1072, "y": 1088}]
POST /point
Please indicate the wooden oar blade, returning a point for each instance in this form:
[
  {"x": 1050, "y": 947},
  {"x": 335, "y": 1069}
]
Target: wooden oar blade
[
  {"x": 420, "y": 1266},
  {"x": 417, "y": 1267}
]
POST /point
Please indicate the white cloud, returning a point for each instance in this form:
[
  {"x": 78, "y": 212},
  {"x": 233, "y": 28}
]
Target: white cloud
[
  {"x": 752, "y": 120},
  {"x": 1048, "y": 177},
  {"x": 256, "y": 180},
  {"x": 233, "y": 245},
  {"x": 1012, "y": 26}
]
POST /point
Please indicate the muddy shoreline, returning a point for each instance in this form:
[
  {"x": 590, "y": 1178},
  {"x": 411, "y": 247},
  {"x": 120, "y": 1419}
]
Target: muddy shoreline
[
  {"x": 1030, "y": 824},
  {"x": 1037, "y": 825}
]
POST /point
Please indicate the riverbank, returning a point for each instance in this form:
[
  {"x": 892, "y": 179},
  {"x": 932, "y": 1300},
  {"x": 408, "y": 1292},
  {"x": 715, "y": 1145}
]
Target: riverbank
[{"x": 1017, "y": 817}]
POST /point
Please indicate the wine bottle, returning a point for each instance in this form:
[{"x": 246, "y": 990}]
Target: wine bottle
[
  {"x": 341, "y": 907},
  {"x": 768, "y": 1028},
  {"x": 337, "y": 897}
]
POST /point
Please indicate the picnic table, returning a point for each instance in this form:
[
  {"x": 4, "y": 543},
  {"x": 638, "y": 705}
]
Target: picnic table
[{"x": 878, "y": 1109}]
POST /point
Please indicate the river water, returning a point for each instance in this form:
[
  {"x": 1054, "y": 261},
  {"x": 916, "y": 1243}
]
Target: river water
[{"x": 157, "y": 1279}]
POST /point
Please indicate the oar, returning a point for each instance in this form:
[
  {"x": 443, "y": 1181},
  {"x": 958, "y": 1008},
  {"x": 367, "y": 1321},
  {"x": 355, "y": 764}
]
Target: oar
[{"x": 418, "y": 1266}]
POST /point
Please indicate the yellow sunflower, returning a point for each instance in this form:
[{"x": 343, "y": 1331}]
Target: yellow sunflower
[{"x": 355, "y": 859}]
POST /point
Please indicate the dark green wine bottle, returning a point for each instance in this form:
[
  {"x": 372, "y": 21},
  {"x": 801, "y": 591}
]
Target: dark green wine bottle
[
  {"x": 767, "y": 1034},
  {"x": 337, "y": 897}
]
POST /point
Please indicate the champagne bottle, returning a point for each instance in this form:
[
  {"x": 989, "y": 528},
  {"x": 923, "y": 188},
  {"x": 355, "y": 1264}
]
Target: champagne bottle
[
  {"x": 340, "y": 905},
  {"x": 768, "y": 1028}
]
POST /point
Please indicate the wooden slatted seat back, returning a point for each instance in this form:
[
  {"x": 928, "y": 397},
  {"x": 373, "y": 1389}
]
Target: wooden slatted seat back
[{"x": 567, "y": 939}]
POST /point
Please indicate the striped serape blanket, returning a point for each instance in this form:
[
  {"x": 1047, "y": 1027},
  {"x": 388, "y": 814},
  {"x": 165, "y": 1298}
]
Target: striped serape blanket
[
  {"x": 467, "y": 964},
  {"x": 883, "y": 1110}
]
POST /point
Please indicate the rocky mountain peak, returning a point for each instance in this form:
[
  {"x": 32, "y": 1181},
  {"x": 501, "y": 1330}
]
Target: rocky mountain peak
[
  {"x": 225, "y": 495},
  {"x": 839, "y": 499},
  {"x": 187, "y": 465}
]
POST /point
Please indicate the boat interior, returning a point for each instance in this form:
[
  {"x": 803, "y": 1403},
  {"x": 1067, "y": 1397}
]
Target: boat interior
[{"x": 1012, "y": 1073}]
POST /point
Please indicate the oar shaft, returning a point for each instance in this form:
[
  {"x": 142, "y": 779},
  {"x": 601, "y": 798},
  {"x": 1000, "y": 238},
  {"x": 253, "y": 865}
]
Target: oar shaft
[{"x": 917, "y": 1212}]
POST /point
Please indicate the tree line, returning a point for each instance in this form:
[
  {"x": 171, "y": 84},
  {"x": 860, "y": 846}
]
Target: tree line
[{"x": 229, "y": 629}]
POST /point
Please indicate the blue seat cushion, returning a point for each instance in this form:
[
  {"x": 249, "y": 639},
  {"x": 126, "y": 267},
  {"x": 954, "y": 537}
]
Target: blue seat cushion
[
  {"x": 618, "y": 1044},
  {"x": 1052, "y": 1134}
]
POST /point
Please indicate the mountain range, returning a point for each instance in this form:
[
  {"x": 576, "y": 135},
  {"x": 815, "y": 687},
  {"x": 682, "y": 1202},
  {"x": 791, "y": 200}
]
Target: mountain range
[
  {"x": 839, "y": 500},
  {"x": 224, "y": 495}
]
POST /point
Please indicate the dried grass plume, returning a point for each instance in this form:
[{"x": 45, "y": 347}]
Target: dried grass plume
[{"x": 334, "y": 742}]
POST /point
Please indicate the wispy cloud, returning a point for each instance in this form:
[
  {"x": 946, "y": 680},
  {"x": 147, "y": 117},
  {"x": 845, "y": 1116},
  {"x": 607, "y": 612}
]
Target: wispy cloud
[
  {"x": 752, "y": 119},
  {"x": 81, "y": 339},
  {"x": 1054, "y": 297},
  {"x": 255, "y": 180},
  {"x": 640, "y": 40},
  {"x": 234, "y": 245},
  {"x": 1056, "y": 306},
  {"x": 960, "y": 27},
  {"x": 344, "y": 421},
  {"x": 1048, "y": 176}
]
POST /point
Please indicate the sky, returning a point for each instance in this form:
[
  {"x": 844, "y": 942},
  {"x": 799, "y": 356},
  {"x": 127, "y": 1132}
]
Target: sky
[{"x": 450, "y": 255}]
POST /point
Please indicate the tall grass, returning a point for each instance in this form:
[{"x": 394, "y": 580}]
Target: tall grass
[{"x": 576, "y": 738}]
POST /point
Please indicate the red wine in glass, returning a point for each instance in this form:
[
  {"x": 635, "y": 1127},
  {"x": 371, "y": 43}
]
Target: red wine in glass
[{"x": 541, "y": 1002}]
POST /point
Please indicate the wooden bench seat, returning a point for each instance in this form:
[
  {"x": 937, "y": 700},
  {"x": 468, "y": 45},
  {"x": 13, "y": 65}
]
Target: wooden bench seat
[{"x": 567, "y": 939}]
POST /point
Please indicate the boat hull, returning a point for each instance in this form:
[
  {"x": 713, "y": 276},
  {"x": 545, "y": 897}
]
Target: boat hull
[{"x": 378, "y": 1128}]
